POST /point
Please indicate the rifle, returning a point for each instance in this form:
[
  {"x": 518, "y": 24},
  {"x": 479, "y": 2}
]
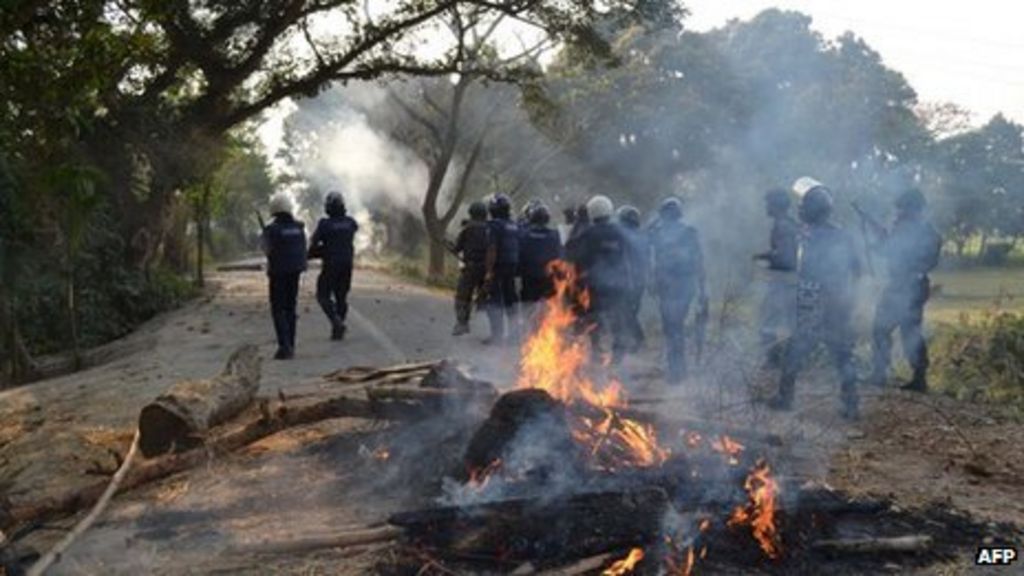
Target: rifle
[{"x": 259, "y": 218}]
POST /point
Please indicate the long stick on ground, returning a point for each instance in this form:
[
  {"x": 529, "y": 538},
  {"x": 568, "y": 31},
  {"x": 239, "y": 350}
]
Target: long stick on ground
[{"x": 44, "y": 563}]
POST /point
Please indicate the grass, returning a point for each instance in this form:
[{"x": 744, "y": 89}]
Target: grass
[{"x": 971, "y": 292}]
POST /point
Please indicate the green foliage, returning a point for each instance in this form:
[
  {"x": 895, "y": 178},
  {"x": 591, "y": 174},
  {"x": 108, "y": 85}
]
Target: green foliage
[{"x": 982, "y": 360}]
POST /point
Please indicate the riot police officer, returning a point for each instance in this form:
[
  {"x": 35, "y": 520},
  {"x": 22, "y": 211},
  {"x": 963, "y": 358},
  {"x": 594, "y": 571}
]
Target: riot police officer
[
  {"x": 502, "y": 268},
  {"x": 678, "y": 279},
  {"x": 332, "y": 242},
  {"x": 638, "y": 261},
  {"x": 778, "y": 304},
  {"x": 539, "y": 245},
  {"x": 911, "y": 251},
  {"x": 471, "y": 247},
  {"x": 600, "y": 254},
  {"x": 827, "y": 271},
  {"x": 284, "y": 243}
]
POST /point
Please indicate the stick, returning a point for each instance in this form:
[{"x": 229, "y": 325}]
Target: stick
[
  {"x": 582, "y": 567},
  {"x": 911, "y": 543},
  {"x": 365, "y": 374},
  {"x": 302, "y": 545},
  {"x": 40, "y": 567}
]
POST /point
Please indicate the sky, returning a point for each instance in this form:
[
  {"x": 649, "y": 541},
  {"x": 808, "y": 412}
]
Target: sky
[{"x": 969, "y": 53}]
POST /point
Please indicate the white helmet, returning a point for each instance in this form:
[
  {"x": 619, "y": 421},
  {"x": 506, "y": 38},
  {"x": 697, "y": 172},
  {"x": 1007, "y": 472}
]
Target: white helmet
[
  {"x": 805, "y": 184},
  {"x": 280, "y": 202},
  {"x": 599, "y": 207}
]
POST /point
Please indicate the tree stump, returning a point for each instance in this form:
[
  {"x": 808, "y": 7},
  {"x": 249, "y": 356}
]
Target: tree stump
[{"x": 177, "y": 419}]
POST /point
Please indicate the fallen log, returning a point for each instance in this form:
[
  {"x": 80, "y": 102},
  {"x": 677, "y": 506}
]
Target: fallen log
[
  {"x": 405, "y": 393},
  {"x": 585, "y": 566},
  {"x": 531, "y": 530},
  {"x": 301, "y": 545},
  {"x": 255, "y": 424},
  {"x": 914, "y": 543},
  {"x": 178, "y": 418}
]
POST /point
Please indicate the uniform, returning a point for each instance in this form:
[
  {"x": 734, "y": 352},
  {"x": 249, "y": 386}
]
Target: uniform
[
  {"x": 284, "y": 242},
  {"x": 639, "y": 267},
  {"x": 601, "y": 253},
  {"x": 777, "y": 312},
  {"x": 472, "y": 244},
  {"x": 828, "y": 270},
  {"x": 538, "y": 247},
  {"x": 911, "y": 251},
  {"x": 332, "y": 242},
  {"x": 678, "y": 273},
  {"x": 503, "y": 299}
]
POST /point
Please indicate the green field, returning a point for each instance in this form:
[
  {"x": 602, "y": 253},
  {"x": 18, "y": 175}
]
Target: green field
[{"x": 974, "y": 291}]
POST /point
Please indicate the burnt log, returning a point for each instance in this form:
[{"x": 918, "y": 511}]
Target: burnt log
[
  {"x": 179, "y": 418},
  {"x": 346, "y": 539},
  {"x": 539, "y": 530},
  {"x": 358, "y": 374},
  {"x": 911, "y": 544}
]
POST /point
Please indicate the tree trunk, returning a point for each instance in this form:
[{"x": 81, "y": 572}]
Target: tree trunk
[
  {"x": 178, "y": 418},
  {"x": 72, "y": 308},
  {"x": 202, "y": 221}
]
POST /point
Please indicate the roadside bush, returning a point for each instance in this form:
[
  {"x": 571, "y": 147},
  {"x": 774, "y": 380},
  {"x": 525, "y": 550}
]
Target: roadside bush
[{"x": 982, "y": 360}]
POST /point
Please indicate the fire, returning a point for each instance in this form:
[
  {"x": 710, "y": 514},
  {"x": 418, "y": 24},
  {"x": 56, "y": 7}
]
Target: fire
[
  {"x": 555, "y": 359},
  {"x": 479, "y": 477},
  {"x": 759, "y": 513},
  {"x": 728, "y": 447},
  {"x": 625, "y": 565}
]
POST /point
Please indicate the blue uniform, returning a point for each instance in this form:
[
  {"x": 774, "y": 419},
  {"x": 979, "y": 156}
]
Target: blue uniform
[
  {"x": 503, "y": 300},
  {"x": 828, "y": 269},
  {"x": 601, "y": 254},
  {"x": 332, "y": 242},
  {"x": 284, "y": 242},
  {"x": 911, "y": 251},
  {"x": 538, "y": 247},
  {"x": 639, "y": 267},
  {"x": 678, "y": 269}
]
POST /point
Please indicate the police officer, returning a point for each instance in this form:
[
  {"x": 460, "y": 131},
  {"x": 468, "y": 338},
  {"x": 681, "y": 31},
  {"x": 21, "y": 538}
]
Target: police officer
[
  {"x": 332, "y": 242},
  {"x": 778, "y": 305},
  {"x": 600, "y": 255},
  {"x": 911, "y": 251},
  {"x": 827, "y": 271},
  {"x": 503, "y": 265},
  {"x": 580, "y": 222},
  {"x": 539, "y": 245},
  {"x": 678, "y": 279},
  {"x": 284, "y": 243},
  {"x": 471, "y": 247},
  {"x": 638, "y": 261}
]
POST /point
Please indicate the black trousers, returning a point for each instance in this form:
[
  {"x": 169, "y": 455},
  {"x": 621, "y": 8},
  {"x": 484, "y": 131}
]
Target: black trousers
[
  {"x": 469, "y": 288},
  {"x": 537, "y": 288},
  {"x": 901, "y": 306},
  {"x": 503, "y": 302},
  {"x": 674, "y": 305},
  {"x": 284, "y": 295},
  {"x": 607, "y": 320},
  {"x": 332, "y": 287}
]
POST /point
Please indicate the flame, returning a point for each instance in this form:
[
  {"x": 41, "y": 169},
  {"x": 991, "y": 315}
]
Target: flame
[
  {"x": 684, "y": 565},
  {"x": 759, "y": 513},
  {"x": 625, "y": 565},
  {"x": 479, "y": 477},
  {"x": 728, "y": 447},
  {"x": 555, "y": 359}
]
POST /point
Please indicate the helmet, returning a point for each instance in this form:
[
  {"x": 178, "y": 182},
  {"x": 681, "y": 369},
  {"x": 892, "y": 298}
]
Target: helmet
[
  {"x": 911, "y": 200},
  {"x": 671, "y": 208},
  {"x": 629, "y": 216},
  {"x": 334, "y": 204},
  {"x": 804, "y": 185},
  {"x": 778, "y": 199},
  {"x": 816, "y": 205},
  {"x": 500, "y": 206},
  {"x": 600, "y": 207},
  {"x": 529, "y": 207},
  {"x": 478, "y": 210},
  {"x": 281, "y": 203},
  {"x": 539, "y": 214}
]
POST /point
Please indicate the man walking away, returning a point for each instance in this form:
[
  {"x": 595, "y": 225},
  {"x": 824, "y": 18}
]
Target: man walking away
[
  {"x": 471, "y": 246},
  {"x": 600, "y": 255},
  {"x": 777, "y": 313},
  {"x": 638, "y": 261},
  {"x": 539, "y": 245},
  {"x": 911, "y": 251},
  {"x": 502, "y": 269},
  {"x": 284, "y": 243},
  {"x": 332, "y": 242},
  {"x": 828, "y": 269},
  {"x": 678, "y": 278}
]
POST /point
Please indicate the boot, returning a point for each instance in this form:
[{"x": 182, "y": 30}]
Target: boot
[
  {"x": 460, "y": 329},
  {"x": 284, "y": 354},
  {"x": 338, "y": 331}
]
